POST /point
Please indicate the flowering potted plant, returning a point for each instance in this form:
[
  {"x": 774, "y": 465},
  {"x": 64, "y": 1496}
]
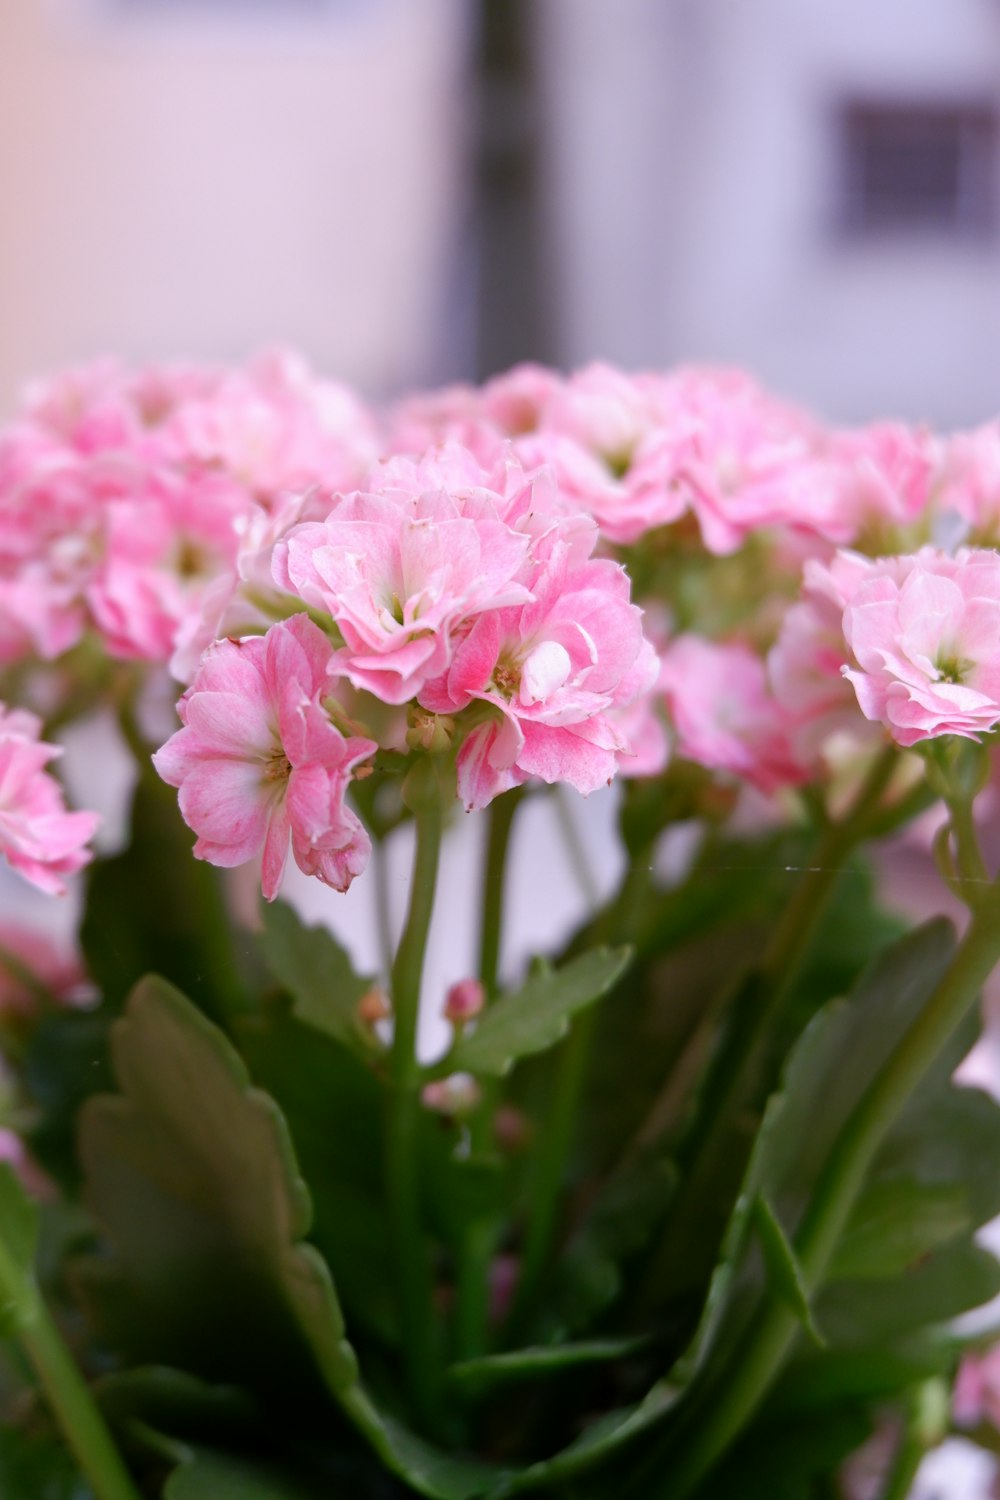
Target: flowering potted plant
[{"x": 687, "y": 1207}]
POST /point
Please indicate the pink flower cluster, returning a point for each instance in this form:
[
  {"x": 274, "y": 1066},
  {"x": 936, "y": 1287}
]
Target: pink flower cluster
[
  {"x": 38, "y": 837},
  {"x": 121, "y": 493},
  {"x": 444, "y": 599},
  {"x": 452, "y": 577},
  {"x": 641, "y": 452}
]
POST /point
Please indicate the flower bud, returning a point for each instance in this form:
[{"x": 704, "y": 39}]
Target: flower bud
[
  {"x": 511, "y": 1129},
  {"x": 454, "y": 1096},
  {"x": 373, "y": 1007},
  {"x": 431, "y": 732},
  {"x": 464, "y": 1001}
]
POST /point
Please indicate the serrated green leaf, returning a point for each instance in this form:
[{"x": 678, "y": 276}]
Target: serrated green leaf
[
  {"x": 520, "y": 1366},
  {"x": 191, "y": 1171},
  {"x": 318, "y": 974},
  {"x": 538, "y": 1014},
  {"x": 784, "y": 1274},
  {"x": 335, "y": 1108}
]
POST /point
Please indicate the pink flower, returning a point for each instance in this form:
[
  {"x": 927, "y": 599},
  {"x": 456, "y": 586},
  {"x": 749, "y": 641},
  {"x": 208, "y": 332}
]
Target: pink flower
[
  {"x": 548, "y": 674},
  {"x": 39, "y": 838},
  {"x": 15, "y": 1155},
  {"x": 976, "y": 1397},
  {"x": 805, "y": 664},
  {"x": 969, "y": 482},
  {"x": 400, "y": 568},
  {"x": 57, "y": 968},
  {"x": 723, "y": 715},
  {"x": 259, "y": 759},
  {"x": 481, "y": 419},
  {"x": 609, "y": 440},
  {"x": 924, "y": 632},
  {"x": 739, "y": 458}
]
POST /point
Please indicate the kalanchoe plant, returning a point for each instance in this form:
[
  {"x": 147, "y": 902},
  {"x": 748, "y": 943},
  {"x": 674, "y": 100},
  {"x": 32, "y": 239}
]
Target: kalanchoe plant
[{"x": 688, "y": 1208}]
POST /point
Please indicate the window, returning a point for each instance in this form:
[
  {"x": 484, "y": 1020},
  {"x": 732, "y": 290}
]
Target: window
[{"x": 915, "y": 168}]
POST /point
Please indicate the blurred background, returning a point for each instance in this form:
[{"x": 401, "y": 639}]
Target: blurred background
[{"x": 418, "y": 193}]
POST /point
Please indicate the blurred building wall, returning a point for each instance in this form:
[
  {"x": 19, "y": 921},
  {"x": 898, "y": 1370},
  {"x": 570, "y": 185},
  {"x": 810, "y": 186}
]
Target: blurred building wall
[
  {"x": 200, "y": 177},
  {"x": 693, "y": 156}
]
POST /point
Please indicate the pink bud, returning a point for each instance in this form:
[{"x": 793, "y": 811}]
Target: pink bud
[
  {"x": 464, "y": 1001},
  {"x": 453, "y": 1096}
]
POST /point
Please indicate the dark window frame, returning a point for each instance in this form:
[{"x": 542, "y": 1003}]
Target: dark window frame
[{"x": 915, "y": 168}]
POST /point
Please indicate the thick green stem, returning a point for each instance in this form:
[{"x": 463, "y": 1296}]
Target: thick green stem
[
  {"x": 421, "y": 1351},
  {"x": 776, "y": 1327},
  {"x": 65, "y": 1388},
  {"x": 476, "y": 1250}
]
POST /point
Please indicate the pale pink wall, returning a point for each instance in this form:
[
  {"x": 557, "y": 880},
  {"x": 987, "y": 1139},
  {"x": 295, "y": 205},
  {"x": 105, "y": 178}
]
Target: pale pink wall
[{"x": 200, "y": 184}]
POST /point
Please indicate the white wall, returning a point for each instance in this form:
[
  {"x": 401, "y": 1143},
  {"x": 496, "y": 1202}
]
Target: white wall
[
  {"x": 187, "y": 180},
  {"x": 692, "y": 174}
]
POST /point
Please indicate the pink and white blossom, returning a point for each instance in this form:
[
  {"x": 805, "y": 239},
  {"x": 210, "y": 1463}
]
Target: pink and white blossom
[
  {"x": 31, "y": 959},
  {"x": 399, "y": 569},
  {"x": 805, "y": 666},
  {"x": 259, "y": 761},
  {"x": 548, "y": 675},
  {"x": 38, "y": 837},
  {"x": 924, "y": 634},
  {"x": 723, "y": 715}
]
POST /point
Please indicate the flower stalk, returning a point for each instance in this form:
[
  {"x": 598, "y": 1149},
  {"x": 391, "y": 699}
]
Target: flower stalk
[{"x": 422, "y": 794}]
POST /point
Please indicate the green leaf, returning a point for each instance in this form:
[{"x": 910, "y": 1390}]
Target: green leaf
[
  {"x": 495, "y": 1371},
  {"x": 895, "y": 1223},
  {"x": 37, "y": 1467},
  {"x": 953, "y": 1279},
  {"x": 621, "y": 1220},
  {"x": 155, "y": 906},
  {"x": 209, "y": 1475},
  {"x": 174, "y": 1401},
  {"x": 827, "y": 1073},
  {"x": 335, "y": 1108},
  {"x": 66, "y": 1061},
  {"x": 191, "y": 1171},
  {"x": 784, "y": 1462},
  {"x": 784, "y": 1273},
  {"x": 19, "y": 1220},
  {"x": 318, "y": 974},
  {"x": 538, "y": 1014}
]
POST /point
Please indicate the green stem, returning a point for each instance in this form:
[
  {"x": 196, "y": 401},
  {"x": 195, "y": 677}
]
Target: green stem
[
  {"x": 740, "y": 1063},
  {"x": 421, "y": 1352},
  {"x": 65, "y": 1388},
  {"x": 550, "y": 1167},
  {"x": 501, "y": 823},
  {"x": 972, "y": 873},
  {"x": 478, "y": 1240},
  {"x": 383, "y": 908},
  {"x": 576, "y": 849},
  {"x": 776, "y": 1326}
]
